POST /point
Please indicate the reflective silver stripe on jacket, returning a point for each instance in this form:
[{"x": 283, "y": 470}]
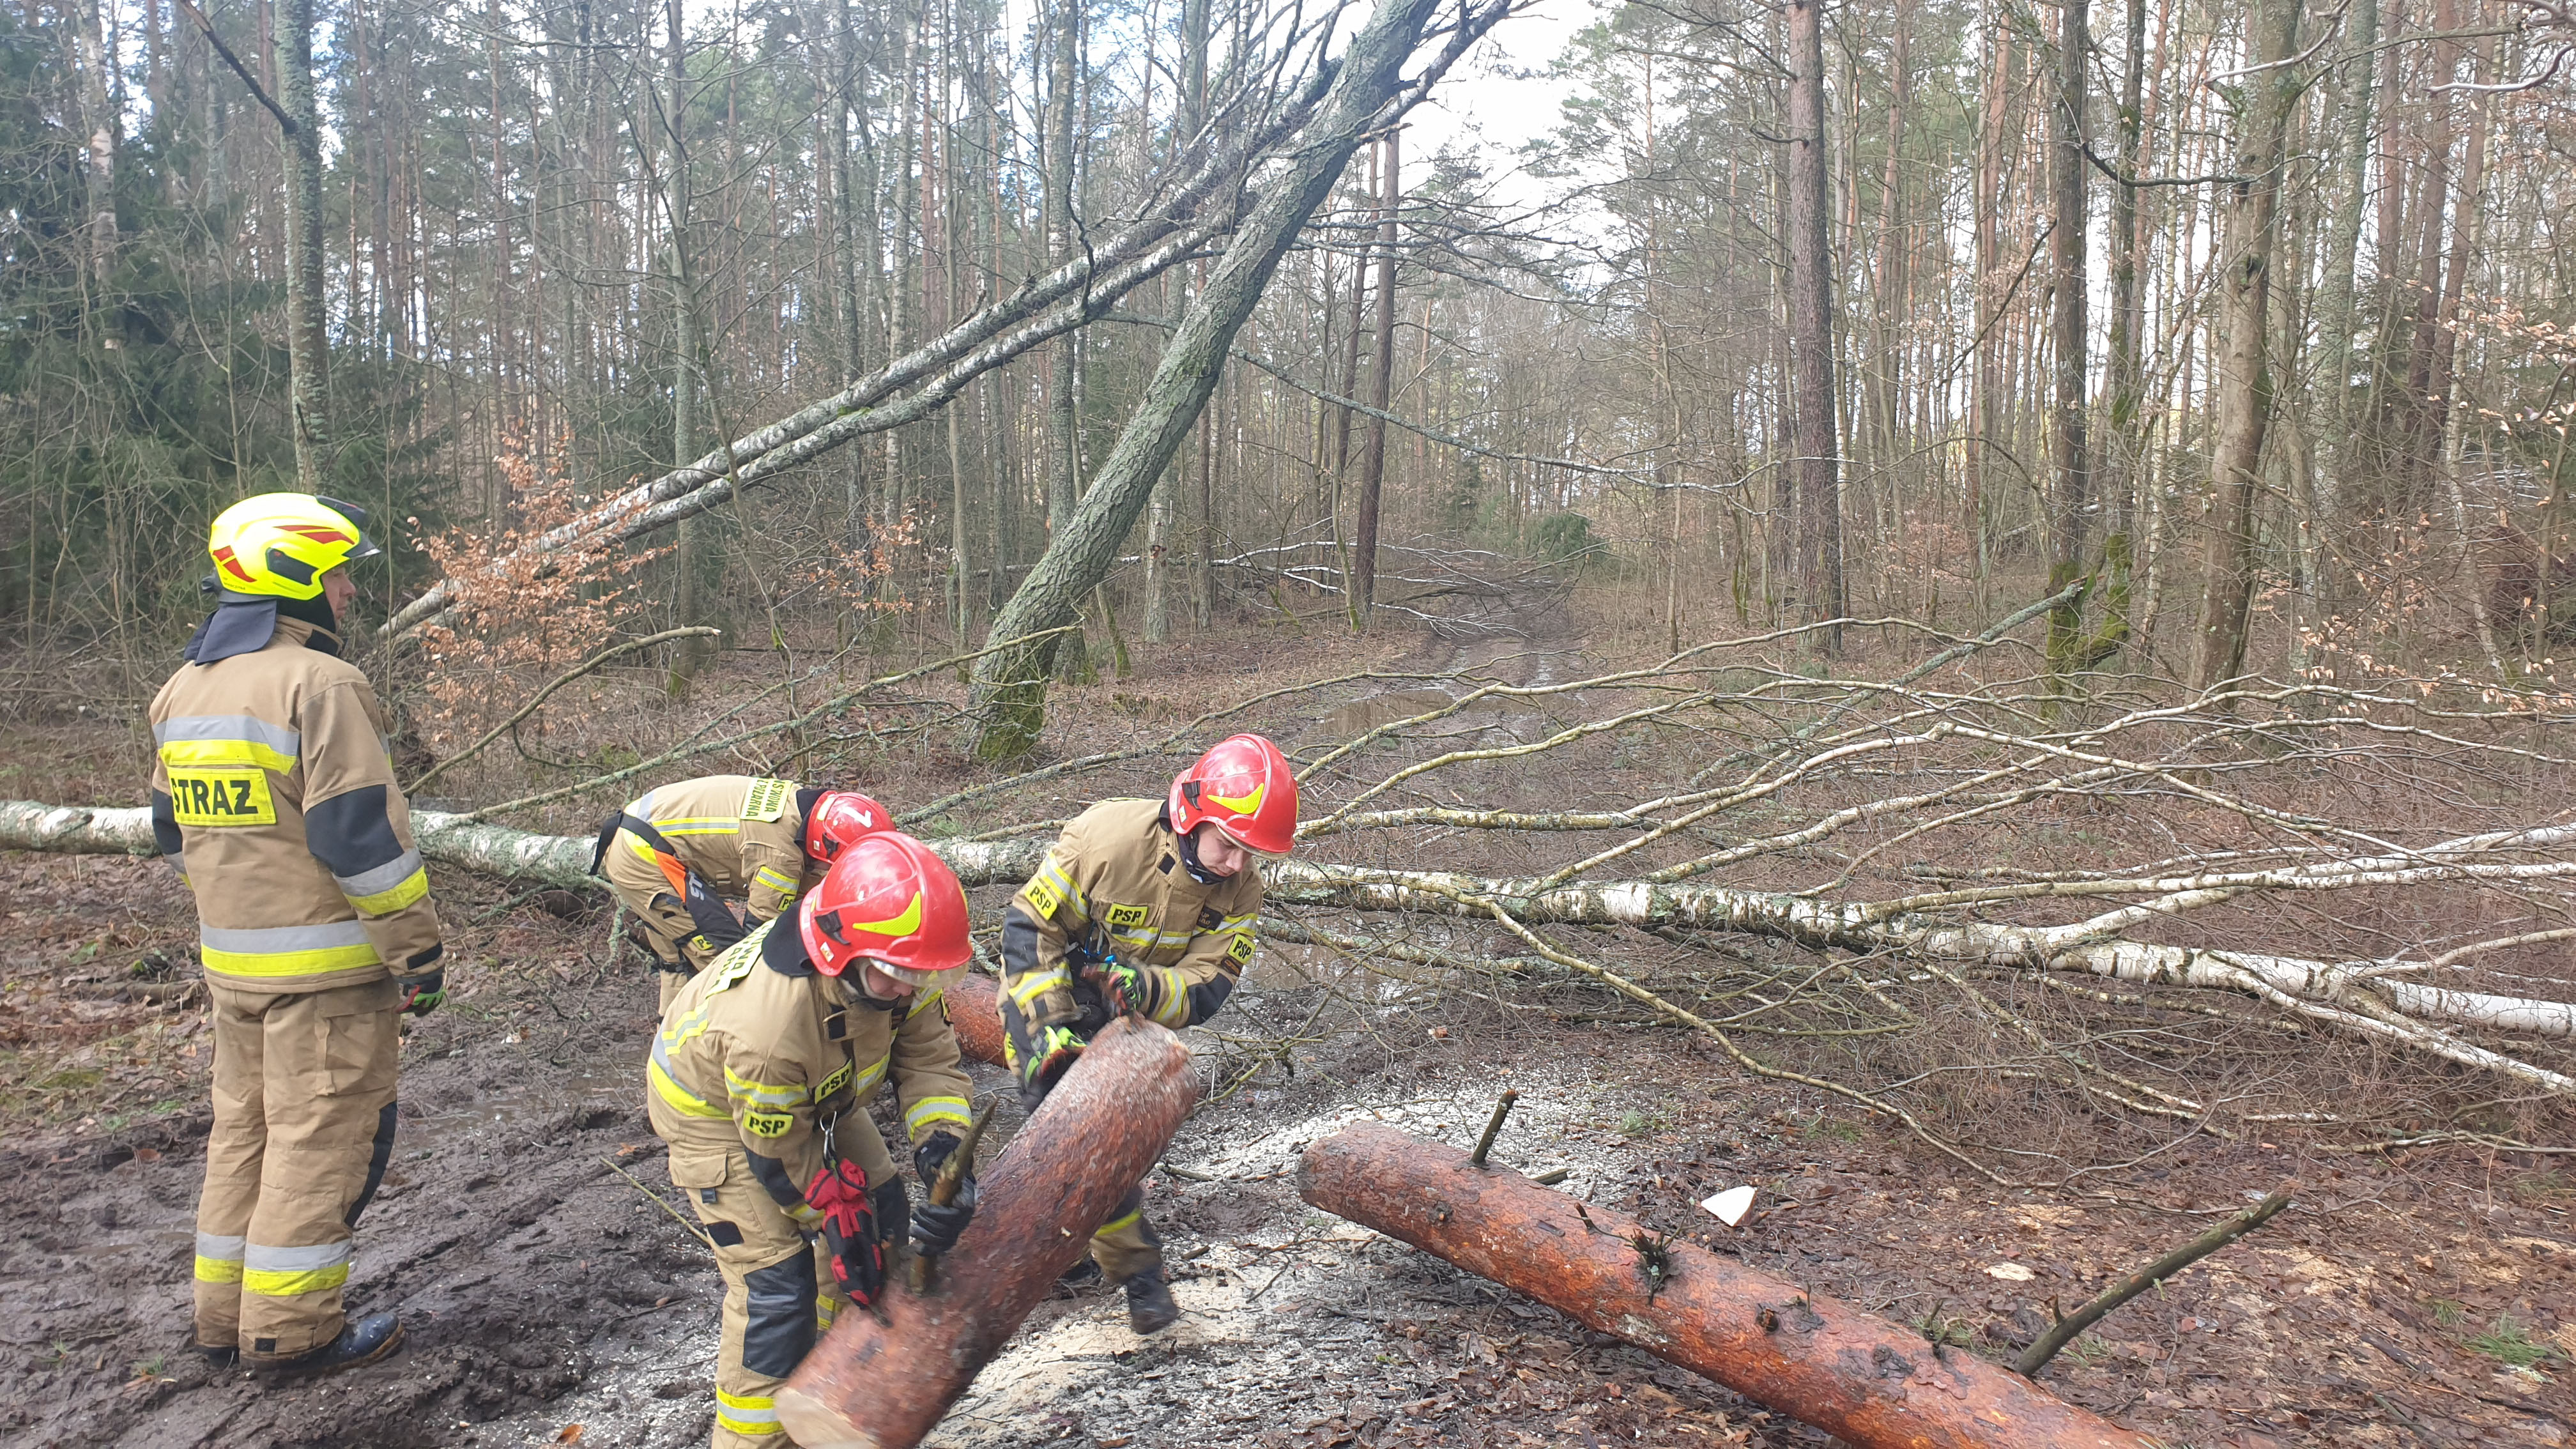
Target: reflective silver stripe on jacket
[
  {"x": 229, "y": 727},
  {"x": 269, "y": 940},
  {"x": 381, "y": 879}
]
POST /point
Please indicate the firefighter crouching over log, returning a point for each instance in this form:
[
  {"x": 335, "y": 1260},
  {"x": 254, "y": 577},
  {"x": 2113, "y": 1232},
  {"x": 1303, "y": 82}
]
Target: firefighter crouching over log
[
  {"x": 673, "y": 855},
  {"x": 760, "y": 1080},
  {"x": 273, "y": 794},
  {"x": 1143, "y": 906}
]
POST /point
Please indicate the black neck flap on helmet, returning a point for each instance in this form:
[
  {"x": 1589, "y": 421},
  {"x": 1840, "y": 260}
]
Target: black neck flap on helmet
[{"x": 244, "y": 623}]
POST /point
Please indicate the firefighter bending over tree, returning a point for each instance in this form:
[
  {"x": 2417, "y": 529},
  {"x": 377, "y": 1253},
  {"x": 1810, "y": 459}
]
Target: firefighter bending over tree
[
  {"x": 273, "y": 795},
  {"x": 760, "y": 1080},
  {"x": 676, "y": 852},
  {"x": 1143, "y": 906}
]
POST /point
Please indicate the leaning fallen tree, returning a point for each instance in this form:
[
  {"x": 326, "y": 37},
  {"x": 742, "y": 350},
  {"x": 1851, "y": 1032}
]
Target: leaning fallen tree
[
  {"x": 2357, "y": 996},
  {"x": 1871, "y": 1383}
]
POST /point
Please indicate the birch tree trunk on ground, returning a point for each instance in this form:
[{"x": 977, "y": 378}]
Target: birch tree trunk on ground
[
  {"x": 2360, "y": 997},
  {"x": 1009, "y": 695},
  {"x": 2268, "y": 94}
]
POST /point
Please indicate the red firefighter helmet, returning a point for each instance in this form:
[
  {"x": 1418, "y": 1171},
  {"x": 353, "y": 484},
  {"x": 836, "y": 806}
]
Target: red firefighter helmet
[
  {"x": 840, "y": 819},
  {"x": 889, "y": 899},
  {"x": 1245, "y": 785}
]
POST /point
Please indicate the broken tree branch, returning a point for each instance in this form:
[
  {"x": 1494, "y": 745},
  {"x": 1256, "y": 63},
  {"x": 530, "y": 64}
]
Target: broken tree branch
[{"x": 2047, "y": 1345}]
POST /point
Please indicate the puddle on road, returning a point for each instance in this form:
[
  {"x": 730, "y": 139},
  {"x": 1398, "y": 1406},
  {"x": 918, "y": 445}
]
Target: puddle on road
[{"x": 1364, "y": 714}]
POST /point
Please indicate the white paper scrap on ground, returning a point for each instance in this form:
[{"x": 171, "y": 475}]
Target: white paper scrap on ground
[
  {"x": 1730, "y": 1206},
  {"x": 2011, "y": 1273}
]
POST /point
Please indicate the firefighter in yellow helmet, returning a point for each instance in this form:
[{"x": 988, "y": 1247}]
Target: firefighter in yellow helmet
[
  {"x": 677, "y": 851},
  {"x": 273, "y": 794},
  {"x": 760, "y": 1080},
  {"x": 1142, "y": 906}
]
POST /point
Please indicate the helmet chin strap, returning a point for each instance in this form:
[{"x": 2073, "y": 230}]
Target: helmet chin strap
[
  {"x": 1190, "y": 860},
  {"x": 854, "y": 981}
]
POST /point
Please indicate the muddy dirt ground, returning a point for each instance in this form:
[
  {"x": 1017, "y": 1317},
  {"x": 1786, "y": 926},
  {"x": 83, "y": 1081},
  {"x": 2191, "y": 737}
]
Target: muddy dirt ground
[{"x": 2419, "y": 1298}]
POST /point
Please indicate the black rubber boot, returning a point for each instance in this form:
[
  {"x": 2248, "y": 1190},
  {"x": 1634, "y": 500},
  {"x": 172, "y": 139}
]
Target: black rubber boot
[
  {"x": 1150, "y": 1308},
  {"x": 364, "y": 1341},
  {"x": 1084, "y": 1270},
  {"x": 222, "y": 1357}
]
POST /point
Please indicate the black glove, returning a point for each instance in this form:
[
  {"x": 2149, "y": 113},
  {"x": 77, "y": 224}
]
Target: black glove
[{"x": 935, "y": 1228}]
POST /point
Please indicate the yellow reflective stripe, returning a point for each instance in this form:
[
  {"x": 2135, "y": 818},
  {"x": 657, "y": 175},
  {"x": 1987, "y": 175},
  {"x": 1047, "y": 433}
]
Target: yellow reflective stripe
[
  {"x": 805, "y": 1214},
  {"x": 744, "y": 1089},
  {"x": 1174, "y": 989},
  {"x": 873, "y": 1075},
  {"x": 288, "y": 1284},
  {"x": 775, "y": 879},
  {"x": 746, "y": 1413},
  {"x": 682, "y": 1100},
  {"x": 285, "y": 1272},
  {"x": 277, "y": 951},
  {"x": 287, "y": 963},
  {"x": 826, "y": 1308},
  {"x": 1053, "y": 876},
  {"x": 1117, "y": 1224},
  {"x": 1036, "y": 984},
  {"x": 384, "y": 902},
  {"x": 700, "y": 825},
  {"x": 218, "y": 1270},
  {"x": 203, "y": 754},
  {"x": 936, "y": 1109}
]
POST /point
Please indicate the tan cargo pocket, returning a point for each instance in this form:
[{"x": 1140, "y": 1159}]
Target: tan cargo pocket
[
  {"x": 359, "y": 1034},
  {"x": 699, "y": 1166}
]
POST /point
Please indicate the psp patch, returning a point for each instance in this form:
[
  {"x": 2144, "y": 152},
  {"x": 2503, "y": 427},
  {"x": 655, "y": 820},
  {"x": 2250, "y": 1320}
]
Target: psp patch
[
  {"x": 1045, "y": 897},
  {"x": 834, "y": 1083},
  {"x": 1241, "y": 951},
  {"x": 768, "y": 1124},
  {"x": 766, "y": 799},
  {"x": 1127, "y": 918},
  {"x": 220, "y": 798}
]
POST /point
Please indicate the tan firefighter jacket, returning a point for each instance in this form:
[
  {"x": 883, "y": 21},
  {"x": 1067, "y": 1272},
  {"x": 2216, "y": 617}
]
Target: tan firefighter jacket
[
  {"x": 742, "y": 835},
  {"x": 274, "y": 794},
  {"x": 1114, "y": 883},
  {"x": 763, "y": 1053}
]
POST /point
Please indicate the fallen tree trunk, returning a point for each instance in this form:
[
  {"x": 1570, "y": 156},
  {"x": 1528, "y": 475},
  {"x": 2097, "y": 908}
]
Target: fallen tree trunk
[
  {"x": 882, "y": 1382},
  {"x": 974, "y": 1013},
  {"x": 564, "y": 860},
  {"x": 1872, "y": 1383}
]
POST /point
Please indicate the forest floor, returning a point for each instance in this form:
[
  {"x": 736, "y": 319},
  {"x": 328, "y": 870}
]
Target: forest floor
[{"x": 2419, "y": 1297}]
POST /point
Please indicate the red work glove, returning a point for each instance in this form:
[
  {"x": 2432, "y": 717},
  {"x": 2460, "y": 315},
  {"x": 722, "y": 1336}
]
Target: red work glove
[{"x": 840, "y": 1193}]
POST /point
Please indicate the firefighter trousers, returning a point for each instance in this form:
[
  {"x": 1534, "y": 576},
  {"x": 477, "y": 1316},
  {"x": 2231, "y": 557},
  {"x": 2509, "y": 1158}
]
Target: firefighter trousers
[
  {"x": 660, "y": 918},
  {"x": 1126, "y": 1244},
  {"x": 304, "y": 1124},
  {"x": 779, "y": 1290}
]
